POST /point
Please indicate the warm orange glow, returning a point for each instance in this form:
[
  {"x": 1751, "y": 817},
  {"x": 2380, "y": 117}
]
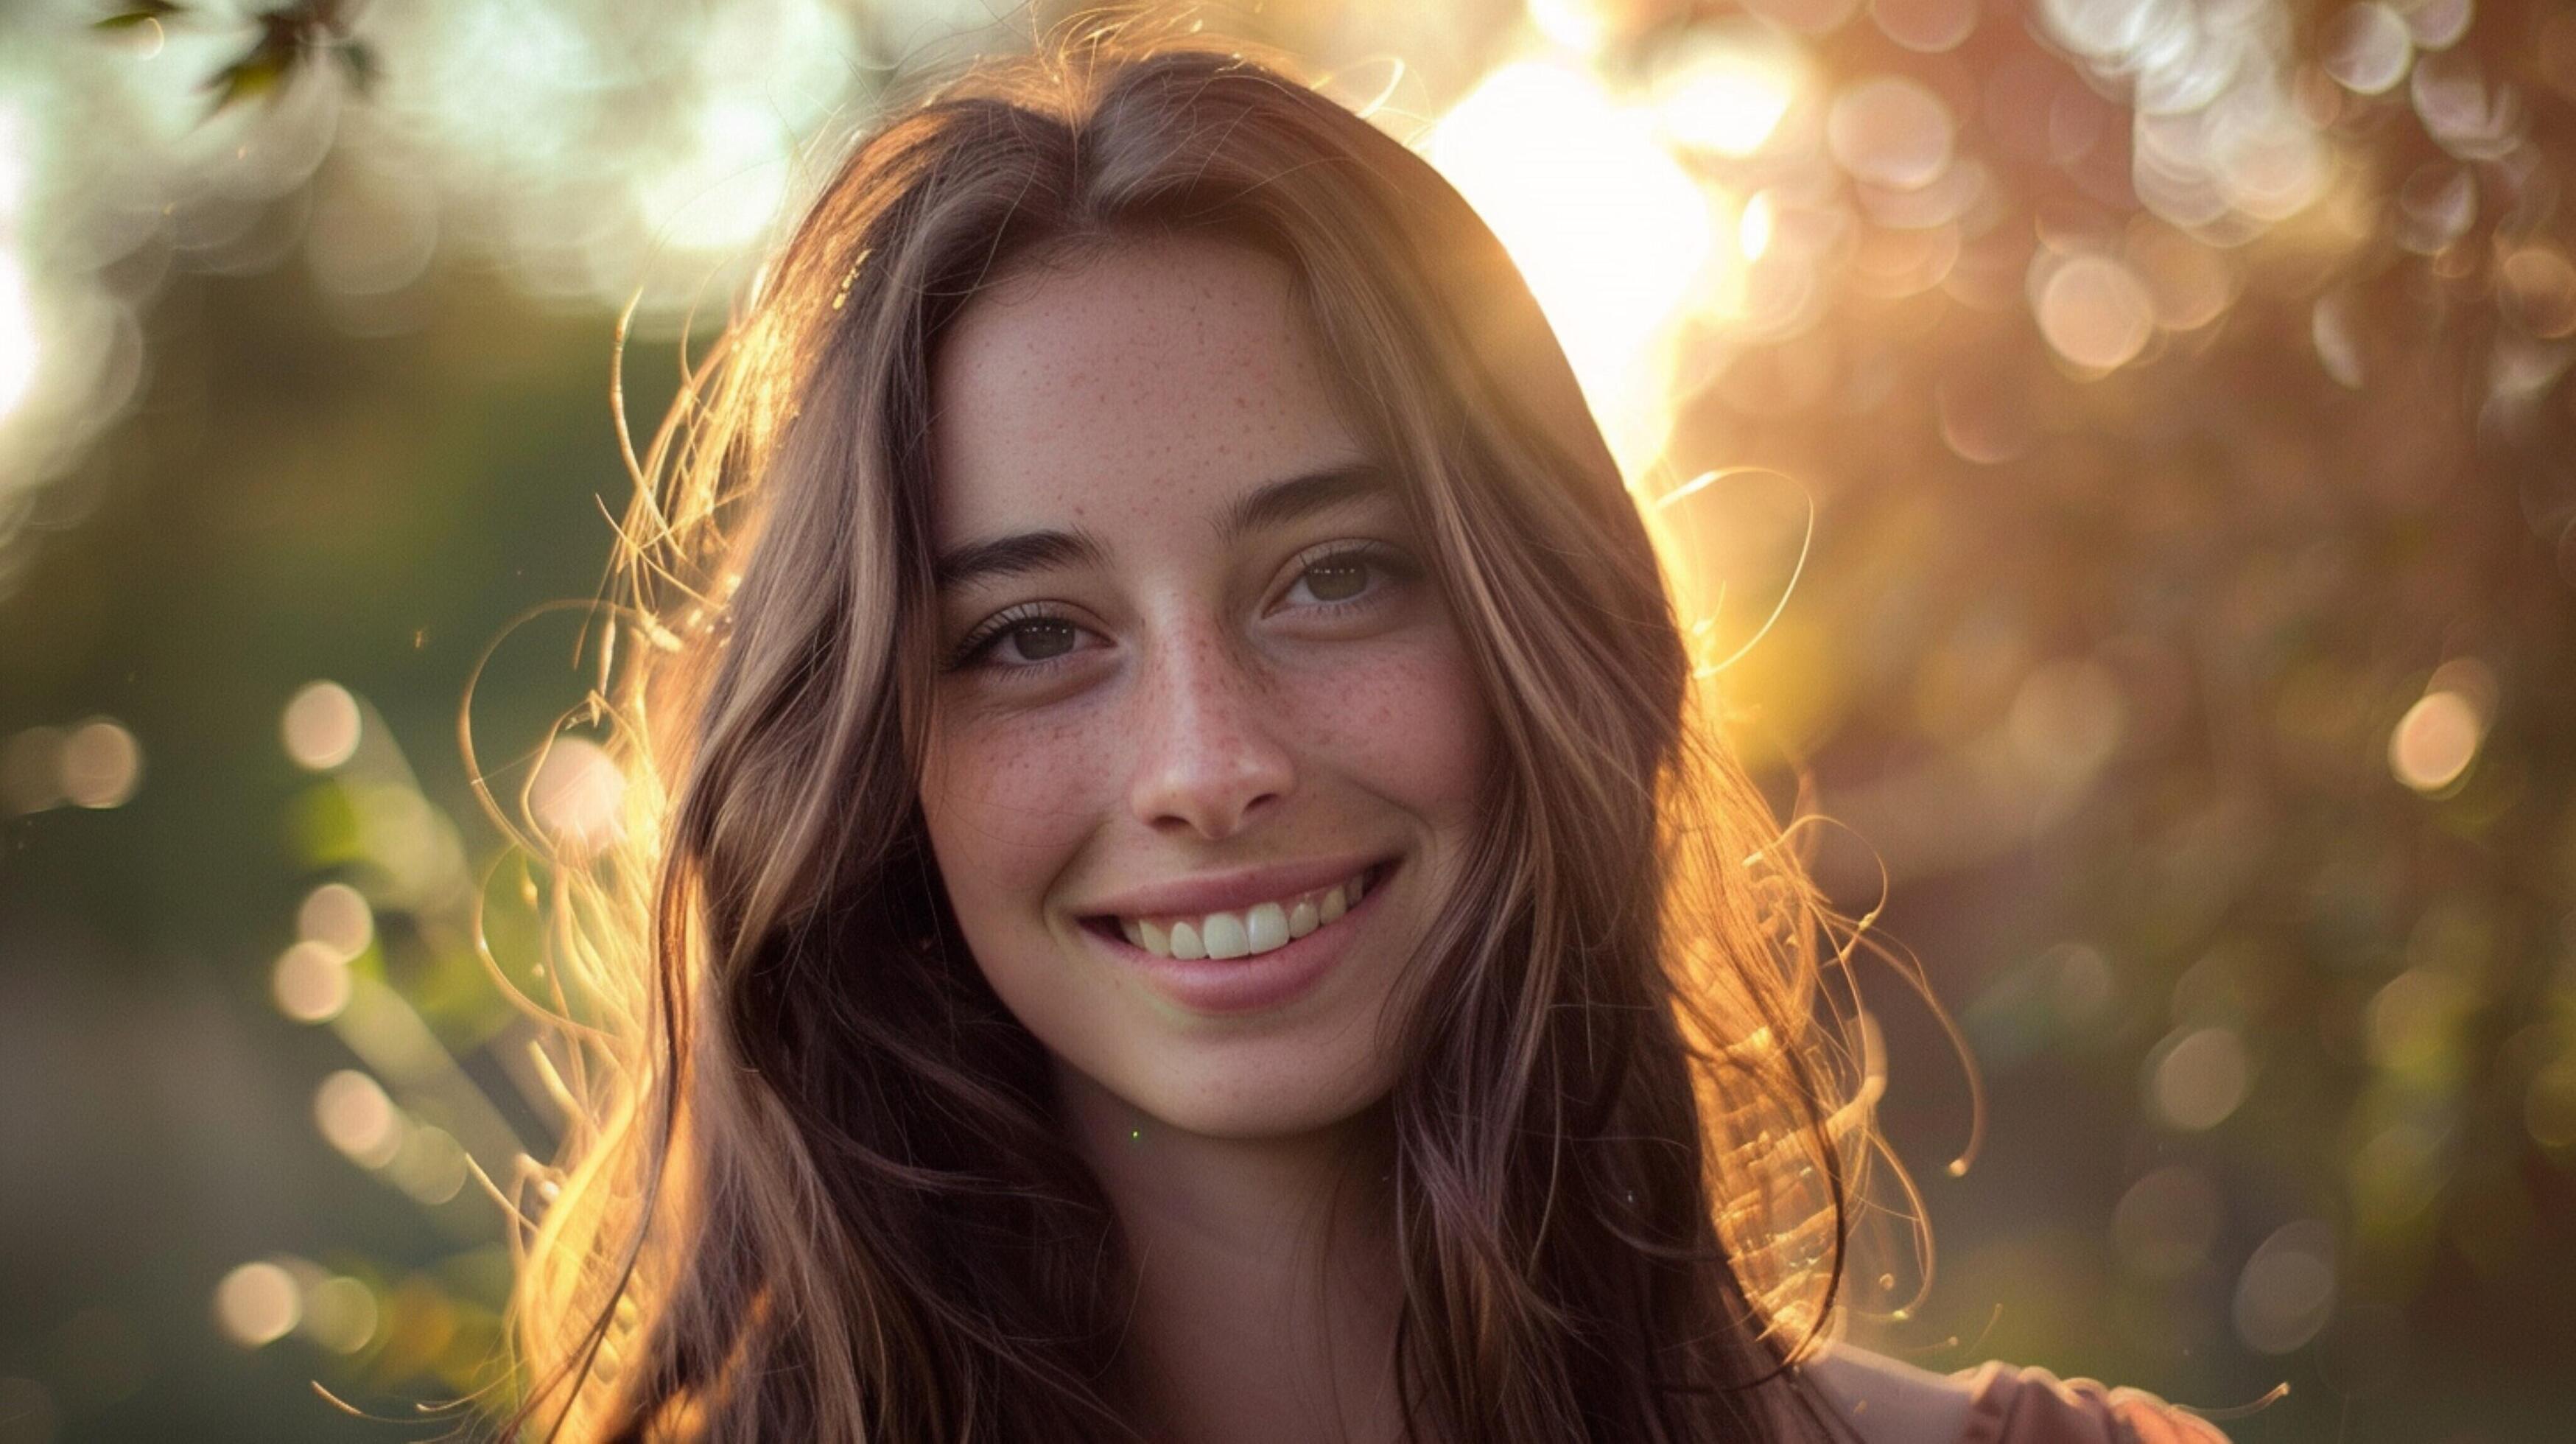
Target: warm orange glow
[
  {"x": 2539, "y": 290},
  {"x": 2367, "y": 49},
  {"x": 2093, "y": 311},
  {"x": 1892, "y": 132},
  {"x": 578, "y": 796},
  {"x": 2435, "y": 741},
  {"x": 1728, "y": 90},
  {"x": 1611, "y": 233}
]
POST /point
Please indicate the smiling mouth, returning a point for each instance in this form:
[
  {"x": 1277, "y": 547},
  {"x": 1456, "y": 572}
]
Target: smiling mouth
[{"x": 1248, "y": 932}]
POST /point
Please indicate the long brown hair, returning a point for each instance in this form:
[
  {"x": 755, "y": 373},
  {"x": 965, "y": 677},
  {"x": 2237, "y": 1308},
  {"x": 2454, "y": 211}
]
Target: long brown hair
[{"x": 813, "y": 1186}]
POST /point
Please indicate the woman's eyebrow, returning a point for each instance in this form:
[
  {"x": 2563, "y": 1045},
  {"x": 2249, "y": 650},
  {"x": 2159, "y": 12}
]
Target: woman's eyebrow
[
  {"x": 1273, "y": 504},
  {"x": 1281, "y": 502},
  {"x": 1015, "y": 555}
]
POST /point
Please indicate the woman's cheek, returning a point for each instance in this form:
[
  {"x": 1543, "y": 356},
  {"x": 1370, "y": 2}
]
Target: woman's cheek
[
  {"x": 1009, "y": 800},
  {"x": 1407, "y": 722}
]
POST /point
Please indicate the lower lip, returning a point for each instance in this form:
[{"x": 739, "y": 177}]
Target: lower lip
[{"x": 1261, "y": 980}]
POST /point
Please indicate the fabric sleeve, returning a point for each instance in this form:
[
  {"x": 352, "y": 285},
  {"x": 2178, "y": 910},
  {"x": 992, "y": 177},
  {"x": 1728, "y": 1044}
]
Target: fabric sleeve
[{"x": 2009, "y": 1405}]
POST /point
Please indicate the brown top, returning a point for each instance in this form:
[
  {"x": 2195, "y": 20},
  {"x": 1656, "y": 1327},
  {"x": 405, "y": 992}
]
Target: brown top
[{"x": 2008, "y": 1405}]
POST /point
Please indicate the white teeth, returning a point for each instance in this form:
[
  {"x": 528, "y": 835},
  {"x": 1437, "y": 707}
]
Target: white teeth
[
  {"x": 1266, "y": 927},
  {"x": 1226, "y": 936},
  {"x": 1302, "y": 920},
  {"x": 1234, "y": 935}
]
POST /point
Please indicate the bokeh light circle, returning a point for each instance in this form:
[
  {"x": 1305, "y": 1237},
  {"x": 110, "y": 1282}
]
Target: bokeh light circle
[
  {"x": 310, "y": 982},
  {"x": 101, "y": 763},
  {"x": 2434, "y": 743},
  {"x": 1727, "y": 89},
  {"x": 2094, "y": 312},
  {"x": 2366, "y": 48},
  {"x": 2287, "y": 1289},
  {"x": 321, "y": 726},
  {"x": 336, "y": 916},
  {"x": 358, "y": 1119},
  {"x": 340, "y": 1314},
  {"x": 2537, "y": 286},
  {"x": 257, "y": 1303},
  {"x": 2198, "y": 1078},
  {"x": 1890, "y": 131},
  {"x": 578, "y": 795},
  {"x": 2164, "y": 1225},
  {"x": 1927, "y": 26}
]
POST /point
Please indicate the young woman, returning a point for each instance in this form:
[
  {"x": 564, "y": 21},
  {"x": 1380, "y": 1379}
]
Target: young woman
[{"x": 1183, "y": 890}]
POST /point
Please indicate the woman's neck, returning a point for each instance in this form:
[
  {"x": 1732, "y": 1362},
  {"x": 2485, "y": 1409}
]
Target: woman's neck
[{"x": 1266, "y": 1282}]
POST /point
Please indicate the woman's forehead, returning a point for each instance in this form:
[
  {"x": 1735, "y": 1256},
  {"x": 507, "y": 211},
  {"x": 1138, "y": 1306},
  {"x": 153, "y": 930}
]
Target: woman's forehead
[{"x": 1152, "y": 376}]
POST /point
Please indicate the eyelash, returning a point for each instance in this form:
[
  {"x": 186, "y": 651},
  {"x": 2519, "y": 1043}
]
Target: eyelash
[{"x": 1392, "y": 562}]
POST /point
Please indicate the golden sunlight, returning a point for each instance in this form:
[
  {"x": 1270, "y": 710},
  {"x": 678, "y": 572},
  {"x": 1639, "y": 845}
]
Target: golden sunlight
[{"x": 1614, "y": 237}]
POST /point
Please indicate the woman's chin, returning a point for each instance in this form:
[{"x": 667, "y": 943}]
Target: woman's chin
[{"x": 1231, "y": 1101}]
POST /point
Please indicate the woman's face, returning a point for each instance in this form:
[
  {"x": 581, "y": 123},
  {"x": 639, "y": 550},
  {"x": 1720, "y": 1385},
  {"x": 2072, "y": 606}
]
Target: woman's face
[{"x": 1206, "y": 746}]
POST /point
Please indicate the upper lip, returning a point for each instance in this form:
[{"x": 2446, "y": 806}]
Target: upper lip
[{"x": 1233, "y": 891}]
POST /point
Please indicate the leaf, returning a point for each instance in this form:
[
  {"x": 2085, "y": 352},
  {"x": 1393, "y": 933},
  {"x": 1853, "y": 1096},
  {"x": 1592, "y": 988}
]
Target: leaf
[
  {"x": 358, "y": 60},
  {"x": 288, "y": 39},
  {"x": 248, "y": 78},
  {"x": 264, "y": 68},
  {"x": 138, "y": 13}
]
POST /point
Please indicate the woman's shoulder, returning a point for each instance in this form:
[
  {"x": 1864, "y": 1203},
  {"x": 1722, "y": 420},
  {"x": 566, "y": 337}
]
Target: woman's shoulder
[
  {"x": 1887, "y": 1401},
  {"x": 2009, "y": 1405}
]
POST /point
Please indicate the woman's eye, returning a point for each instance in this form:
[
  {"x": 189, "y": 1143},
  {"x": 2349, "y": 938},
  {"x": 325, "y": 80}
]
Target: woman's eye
[
  {"x": 1025, "y": 642},
  {"x": 1039, "y": 640},
  {"x": 1336, "y": 580},
  {"x": 1349, "y": 576},
  {"x": 1028, "y": 641}
]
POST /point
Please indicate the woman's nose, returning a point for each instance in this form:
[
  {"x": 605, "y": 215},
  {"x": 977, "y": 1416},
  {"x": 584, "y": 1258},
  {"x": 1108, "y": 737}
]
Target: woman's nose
[{"x": 1209, "y": 753}]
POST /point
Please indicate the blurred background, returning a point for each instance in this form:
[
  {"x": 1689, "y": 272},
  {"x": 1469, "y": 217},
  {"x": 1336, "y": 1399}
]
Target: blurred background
[{"x": 2122, "y": 450}]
